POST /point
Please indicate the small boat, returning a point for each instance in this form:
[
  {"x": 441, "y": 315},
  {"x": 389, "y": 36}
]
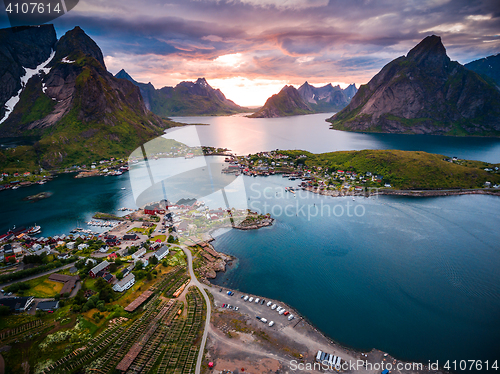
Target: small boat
[
  {"x": 123, "y": 188},
  {"x": 35, "y": 230}
]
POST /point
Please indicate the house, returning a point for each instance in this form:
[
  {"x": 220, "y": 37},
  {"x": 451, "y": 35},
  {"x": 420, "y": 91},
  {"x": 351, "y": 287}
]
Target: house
[
  {"x": 68, "y": 281},
  {"x": 487, "y": 184},
  {"x": 99, "y": 267},
  {"x": 112, "y": 242},
  {"x": 139, "y": 254},
  {"x": 127, "y": 282},
  {"x": 46, "y": 306},
  {"x": 17, "y": 304},
  {"x": 112, "y": 255},
  {"x": 108, "y": 277},
  {"x": 132, "y": 236},
  {"x": 82, "y": 246},
  {"x": 154, "y": 209},
  {"x": 162, "y": 252}
]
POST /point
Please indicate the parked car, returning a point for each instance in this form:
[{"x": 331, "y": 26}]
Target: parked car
[
  {"x": 251, "y": 299},
  {"x": 290, "y": 317},
  {"x": 223, "y": 305},
  {"x": 257, "y": 300},
  {"x": 236, "y": 308},
  {"x": 271, "y": 323},
  {"x": 269, "y": 303},
  {"x": 286, "y": 313},
  {"x": 229, "y": 293},
  {"x": 262, "y": 302},
  {"x": 220, "y": 290},
  {"x": 245, "y": 298},
  {"x": 263, "y": 320},
  {"x": 282, "y": 311},
  {"x": 242, "y": 296},
  {"x": 278, "y": 309},
  {"x": 257, "y": 317},
  {"x": 274, "y": 306}
]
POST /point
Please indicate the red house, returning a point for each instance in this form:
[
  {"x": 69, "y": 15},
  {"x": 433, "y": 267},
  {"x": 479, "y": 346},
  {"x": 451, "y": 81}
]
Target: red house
[{"x": 153, "y": 209}]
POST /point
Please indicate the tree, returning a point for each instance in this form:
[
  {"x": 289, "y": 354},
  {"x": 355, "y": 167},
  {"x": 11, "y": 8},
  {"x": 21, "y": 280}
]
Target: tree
[
  {"x": 139, "y": 265},
  {"x": 12, "y": 260},
  {"x": 170, "y": 239},
  {"x": 149, "y": 276},
  {"x": 119, "y": 276},
  {"x": 4, "y": 310},
  {"x": 153, "y": 260}
]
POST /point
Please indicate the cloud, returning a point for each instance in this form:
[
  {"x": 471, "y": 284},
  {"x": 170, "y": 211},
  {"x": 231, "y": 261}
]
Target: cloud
[{"x": 278, "y": 40}]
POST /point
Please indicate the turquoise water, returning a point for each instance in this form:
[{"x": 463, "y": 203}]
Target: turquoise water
[
  {"x": 416, "y": 277},
  {"x": 311, "y": 133},
  {"x": 73, "y": 203}
]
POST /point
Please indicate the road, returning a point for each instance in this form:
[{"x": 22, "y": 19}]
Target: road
[
  {"x": 195, "y": 282},
  {"x": 38, "y": 275}
]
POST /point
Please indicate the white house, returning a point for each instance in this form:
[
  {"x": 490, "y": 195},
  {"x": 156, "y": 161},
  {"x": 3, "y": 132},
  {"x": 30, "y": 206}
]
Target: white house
[
  {"x": 82, "y": 246},
  {"x": 70, "y": 245},
  {"x": 36, "y": 247},
  {"x": 139, "y": 254},
  {"x": 162, "y": 252},
  {"x": 127, "y": 282}
]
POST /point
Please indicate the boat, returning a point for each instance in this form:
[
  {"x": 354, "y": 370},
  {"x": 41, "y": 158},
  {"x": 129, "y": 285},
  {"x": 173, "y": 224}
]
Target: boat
[
  {"x": 15, "y": 187},
  {"x": 35, "y": 230},
  {"x": 123, "y": 188},
  {"x": 189, "y": 155}
]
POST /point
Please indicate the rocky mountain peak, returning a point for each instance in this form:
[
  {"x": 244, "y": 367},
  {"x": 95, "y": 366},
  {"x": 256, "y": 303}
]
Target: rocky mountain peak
[
  {"x": 429, "y": 52},
  {"x": 76, "y": 43}
]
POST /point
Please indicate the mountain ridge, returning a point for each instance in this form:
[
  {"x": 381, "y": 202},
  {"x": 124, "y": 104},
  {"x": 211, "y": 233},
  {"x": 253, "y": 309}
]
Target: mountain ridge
[
  {"x": 424, "y": 93},
  {"x": 185, "y": 99},
  {"x": 78, "y": 110},
  {"x": 307, "y": 99}
]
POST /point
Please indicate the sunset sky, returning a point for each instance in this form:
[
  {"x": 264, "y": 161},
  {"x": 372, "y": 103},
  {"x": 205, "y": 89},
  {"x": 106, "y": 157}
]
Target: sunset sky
[{"x": 251, "y": 48}]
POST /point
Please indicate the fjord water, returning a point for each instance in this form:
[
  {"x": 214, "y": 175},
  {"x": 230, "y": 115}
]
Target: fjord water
[
  {"x": 415, "y": 277},
  {"x": 311, "y": 133}
]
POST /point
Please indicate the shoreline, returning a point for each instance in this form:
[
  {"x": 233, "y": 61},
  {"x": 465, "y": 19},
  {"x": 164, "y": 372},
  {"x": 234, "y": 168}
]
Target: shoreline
[
  {"x": 326, "y": 341},
  {"x": 415, "y": 193}
]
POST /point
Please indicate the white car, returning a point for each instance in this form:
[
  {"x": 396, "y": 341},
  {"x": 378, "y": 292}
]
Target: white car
[
  {"x": 263, "y": 320},
  {"x": 290, "y": 317},
  {"x": 245, "y": 298},
  {"x": 251, "y": 299},
  {"x": 257, "y": 300},
  {"x": 273, "y": 307},
  {"x": 278, "y": 309},
  {"x": 269, "y": 303},
  {"x": 271, "y": 323},
  {"x": 282, "y": 311}
]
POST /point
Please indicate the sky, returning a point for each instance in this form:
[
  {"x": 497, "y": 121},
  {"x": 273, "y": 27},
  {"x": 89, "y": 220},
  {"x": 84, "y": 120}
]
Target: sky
[{"x": 251, "y": 48}]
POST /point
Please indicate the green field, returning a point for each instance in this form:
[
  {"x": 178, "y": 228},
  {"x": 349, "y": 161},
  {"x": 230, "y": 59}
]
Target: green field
[{"x": 404, "y": 169}]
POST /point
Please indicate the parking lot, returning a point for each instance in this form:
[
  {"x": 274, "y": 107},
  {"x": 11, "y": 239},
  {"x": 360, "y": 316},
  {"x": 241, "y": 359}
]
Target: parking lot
[{"x": 252, "y": 309}]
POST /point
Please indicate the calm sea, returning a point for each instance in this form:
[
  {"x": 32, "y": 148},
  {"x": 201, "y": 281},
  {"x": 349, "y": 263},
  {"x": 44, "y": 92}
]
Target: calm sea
[{"x": 311, "y": 133}]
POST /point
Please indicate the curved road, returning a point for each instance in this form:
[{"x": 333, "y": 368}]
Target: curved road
[{"x": 195, "y": 281}]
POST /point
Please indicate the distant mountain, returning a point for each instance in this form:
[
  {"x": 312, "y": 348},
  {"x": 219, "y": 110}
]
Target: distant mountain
[
  {"x": 186, "y": 99},
  {"x": 488, "y": 67},
  {"x": 424, "y": 93},
  {"x": 327, "y": 98},
  {"x": 305, "y": 100},
  {"x": 78, "y": 110},
  {"x": 287, "y": 102}
]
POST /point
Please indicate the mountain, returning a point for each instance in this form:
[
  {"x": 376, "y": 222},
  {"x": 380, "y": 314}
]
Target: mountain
[
  {"x": 186, "y": 99},
  {"x": 424, "y": 92},
  {"x": 287, "y": 102},
  {"x": 488, "y": 67},
  {"x": 79, "y": 112},
  {"x": 327, "y": 98},
  {"x": 20, "y": 48}
]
